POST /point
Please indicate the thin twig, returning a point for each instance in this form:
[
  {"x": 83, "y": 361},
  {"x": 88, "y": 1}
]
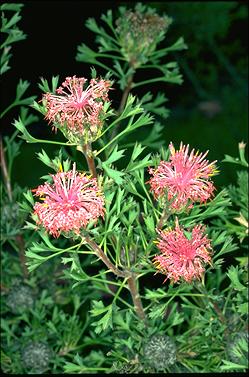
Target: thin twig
[
  {"x": 99, "y": 252},
  {"x": 131, "y": 277},
  {"x": 21, "y": 244},
  {"x": 5, "y": 171},
  {"x": 19, "y": 238}
]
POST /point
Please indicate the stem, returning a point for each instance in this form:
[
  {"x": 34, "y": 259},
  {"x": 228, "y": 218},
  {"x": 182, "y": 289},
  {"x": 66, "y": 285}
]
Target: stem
[
  {"x": 202, "y": 94},
  {"x": 87, "y": 150},
  {"x": 218, "y": 311},
  {"x": 123, "y": 102},
  {"x": 163, "y": 218},
  {"x": 226, "y": 64},
  {"x": 135, "y": 296},
  {"x": 21, "y": 244},
  {"x": 99, "y": 252},
  {"x": 130, "y": 276},
  {"x": 5, "y": 171},
  {"x": 19, "y": 238},
  {"x": 8, "y": 109},
  {"x": 125, "y": 94}
]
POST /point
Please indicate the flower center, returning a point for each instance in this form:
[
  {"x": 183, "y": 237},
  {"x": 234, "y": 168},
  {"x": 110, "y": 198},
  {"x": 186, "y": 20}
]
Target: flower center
[{"x": 81, "y": 104}]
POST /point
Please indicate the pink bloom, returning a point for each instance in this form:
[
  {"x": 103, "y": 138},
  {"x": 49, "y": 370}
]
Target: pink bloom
[
  {"x": 78, "y": 112},
  {"x": 185, "y": 179},
  {"x": 69, "y": 203},
  {"x": 182, "y": 256}
]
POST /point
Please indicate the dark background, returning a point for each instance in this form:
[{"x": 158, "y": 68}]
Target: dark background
[{"x": 55, "y": 28}]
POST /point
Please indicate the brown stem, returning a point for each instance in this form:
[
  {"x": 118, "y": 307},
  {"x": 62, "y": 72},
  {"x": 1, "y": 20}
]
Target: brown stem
[
  {"x": 99, "y": 252},
  {"x": 122, "y": 103},
  {"x": 21, "y": 244},
  {"x": 19, "y": 237},
  {"x": 222, "y": 318},
  {"x": 125, "y": 274},
  {"x": 135, "y": 296},
  {"x": 163, "y": 218},
  {"x": 5, "y": 171},
  {"x": 125, "y": 94},
  {"x": 218, "y": 311},
  {"x": 87, "y": 150}
]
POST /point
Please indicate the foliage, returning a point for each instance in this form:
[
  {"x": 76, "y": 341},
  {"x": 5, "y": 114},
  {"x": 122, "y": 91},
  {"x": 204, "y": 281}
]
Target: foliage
[{"x": 92, "y": 301}]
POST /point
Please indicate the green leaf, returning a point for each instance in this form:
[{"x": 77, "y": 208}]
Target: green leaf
[
  {"x": 114, "y": 174},
  {"x": 44, "y": 86},
  {"x": 29, "y": 197},
  {"x": 150, "y": 224},
  {"x": 21, "y": 88},
  {"x": 11, "y": 6},
  {"x": 243, "y": 308},
  {"x": 233, "y": 274},
  {"x": 98, "y": 308},
  {"x": 115, "y": 156},
  {"x": 104, "y": 322},
  {"x": 86, "y": 54},
  {"x": 228, "y": 365}
]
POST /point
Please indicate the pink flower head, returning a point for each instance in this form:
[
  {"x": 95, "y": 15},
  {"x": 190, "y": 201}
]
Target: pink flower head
[
  {"x": 185, "y": 179},
  {"x": 69, "y": 203},
  {"x": 78, "y": 112},
  {"x": 183, "y": 256}
]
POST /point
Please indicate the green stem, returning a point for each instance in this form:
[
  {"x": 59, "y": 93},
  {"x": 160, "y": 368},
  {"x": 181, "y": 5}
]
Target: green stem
[
  {"x": 8, "y": 109},
  {"x": 225, "y": 62},
  {"x": 112, "y": 141},
  {"x": 192, "y": 78},
  {"x": 156, "y": 79}
]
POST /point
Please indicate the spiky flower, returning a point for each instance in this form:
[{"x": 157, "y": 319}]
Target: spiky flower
[
  {"x": 69, "y": 202},
  {"x": 77, "y": 111},
  {"x": 36, "y": 357},
  {"x": 183, "y": 253},
  {"x": 184, "y": 179},
  {"x": 159, "y": 352},
  {"x": 139, "y": 32}
]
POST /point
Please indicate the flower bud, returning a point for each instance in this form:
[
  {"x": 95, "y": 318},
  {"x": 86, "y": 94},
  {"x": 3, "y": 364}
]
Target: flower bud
[
  {"x": 159, "y": 352},
  {"x": 36, "y": 357}
]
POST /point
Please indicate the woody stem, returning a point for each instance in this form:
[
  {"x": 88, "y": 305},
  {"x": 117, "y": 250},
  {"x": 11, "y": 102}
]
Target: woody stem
[
  {"x": 135, "y": 296},
  {"x": 5, "y": 171},
  {"x": 164, "y": 217},
  {"x": 87, "y": 150},
  {"x": 125, "y": 94},
  {"x": 19, "y": 238},
  {"x": 125, "y": 274},
  {"x": 99, "y": 252}
]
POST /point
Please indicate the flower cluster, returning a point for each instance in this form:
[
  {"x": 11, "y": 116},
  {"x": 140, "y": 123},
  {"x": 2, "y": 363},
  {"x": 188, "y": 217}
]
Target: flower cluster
[
  {"x": 184, "y": 179},
  {"x": 69, "y": 203},
  {"x": 139, "y": 32},
  {"x": 183, "y": 253},
  {"x": 78, "y": 112}
]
